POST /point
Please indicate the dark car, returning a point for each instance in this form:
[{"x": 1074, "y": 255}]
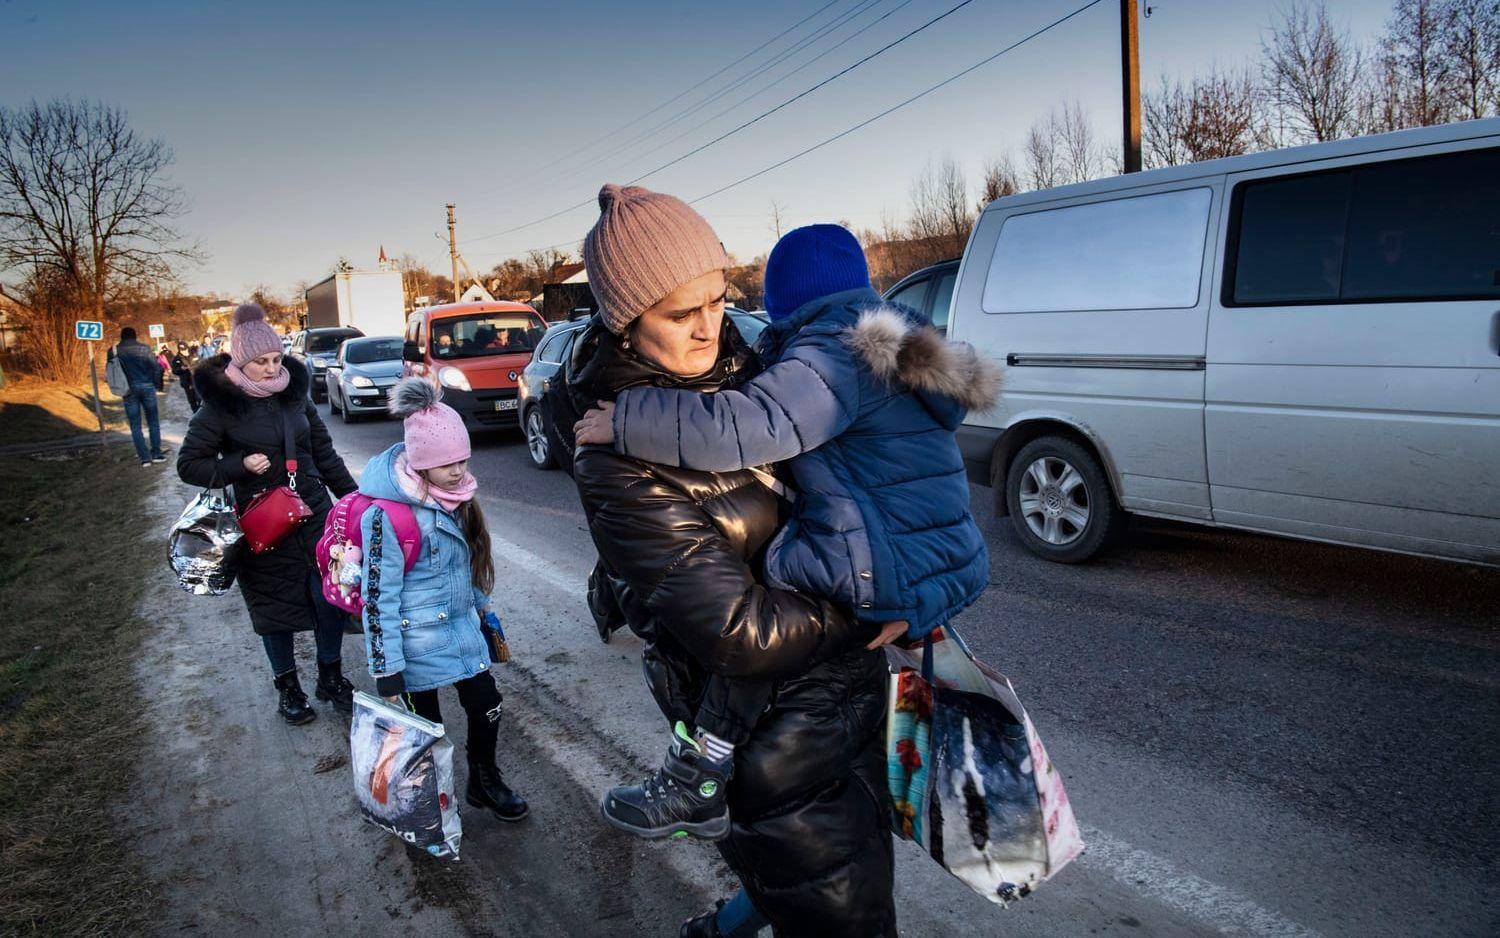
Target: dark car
[
  {"x": 929, "y": 291},
  {"x": 540, "y": 411},
  {"x": 317, "y": 348},
  {"x": 361, "y": 376}
]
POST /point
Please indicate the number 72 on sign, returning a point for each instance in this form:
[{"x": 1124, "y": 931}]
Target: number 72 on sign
[{"x": 88, "y": 330}]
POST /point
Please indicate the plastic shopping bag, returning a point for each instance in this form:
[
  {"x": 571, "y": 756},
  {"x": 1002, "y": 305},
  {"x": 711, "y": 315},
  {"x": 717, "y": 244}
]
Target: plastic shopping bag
[
  {"x": 202, "y": 544},
  {"x": 969, "y": 777},
  {"x": 403, "y": 775}
]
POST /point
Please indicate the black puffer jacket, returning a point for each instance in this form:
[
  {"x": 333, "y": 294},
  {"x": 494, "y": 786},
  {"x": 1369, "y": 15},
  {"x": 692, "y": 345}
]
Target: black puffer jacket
[
  {"x": 811, "y": 837},
  {"x": 233, "y": 425}
]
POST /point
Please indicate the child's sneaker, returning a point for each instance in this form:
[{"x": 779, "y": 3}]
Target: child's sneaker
[{"x": 684, "y": 797}]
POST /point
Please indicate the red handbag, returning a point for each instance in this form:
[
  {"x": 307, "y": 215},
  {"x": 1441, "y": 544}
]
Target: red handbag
[{"x": 273, "y": 514}]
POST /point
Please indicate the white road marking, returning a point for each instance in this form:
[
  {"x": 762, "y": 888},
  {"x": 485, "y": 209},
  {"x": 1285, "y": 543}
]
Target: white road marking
[
  {"x": 1160, "y": 879},
  {"x": 1155, "y": 877}
]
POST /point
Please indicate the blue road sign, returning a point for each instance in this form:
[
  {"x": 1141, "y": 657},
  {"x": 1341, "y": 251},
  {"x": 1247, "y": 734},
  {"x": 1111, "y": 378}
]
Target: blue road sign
[{"x": 88, "y": 330}]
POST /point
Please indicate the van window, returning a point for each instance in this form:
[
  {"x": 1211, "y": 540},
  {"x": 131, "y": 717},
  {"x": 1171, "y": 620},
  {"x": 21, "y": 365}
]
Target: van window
[
  {"x": 1401, "y": 230},
  {"x": 1426, "y": 228},
  {"x": 1291, "y": 239},
  {"x": 1144, "y": 252}
]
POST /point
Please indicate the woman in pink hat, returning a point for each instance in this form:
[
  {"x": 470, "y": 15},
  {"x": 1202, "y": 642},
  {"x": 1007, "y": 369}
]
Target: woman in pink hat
[
  {"x": 808, "y": 826},
  {"x": 250, "y": 400},
  {"x": 423, "y": 625}
]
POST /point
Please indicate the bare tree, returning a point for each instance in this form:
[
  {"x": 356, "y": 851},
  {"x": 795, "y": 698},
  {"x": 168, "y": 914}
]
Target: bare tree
[
  {"x": 941, "y": 216},
  {"x": 1164, "y": 120},
  {"x": 776, "y": 212},
  {"x": 1413, "y": 48},
  {"x": 1311, "y": 74},
  {"x": 1000, "y": 180},
  {"x": 1076, "y": 136},
  {"x": 1044, "y": 164},
  {"x": 1471, "y": 47},
  {"x": 86, "y": 210}
]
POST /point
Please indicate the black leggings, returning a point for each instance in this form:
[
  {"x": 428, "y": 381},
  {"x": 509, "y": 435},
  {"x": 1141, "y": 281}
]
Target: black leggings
[
  {"x": 731, "y": 707},
  {"x": 481, "y": 702}
]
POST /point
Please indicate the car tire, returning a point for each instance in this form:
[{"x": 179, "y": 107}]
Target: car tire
[
  {"x": 538, "y": 440},
  {"x": 1060, "y": 502}
]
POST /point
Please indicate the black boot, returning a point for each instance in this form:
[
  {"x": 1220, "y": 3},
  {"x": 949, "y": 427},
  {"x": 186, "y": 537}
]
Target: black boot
[
  {"x": 685, "y": 796},
  {"x": 703, "y": 925},
  {"x": 293, "y": 706},
  {"x": 487, "y": 789},
  {"x": 334, "y": 687}
]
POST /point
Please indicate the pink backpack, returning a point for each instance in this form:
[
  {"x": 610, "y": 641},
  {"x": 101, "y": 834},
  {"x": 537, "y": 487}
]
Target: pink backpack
[{"x": 340, "y": 550}]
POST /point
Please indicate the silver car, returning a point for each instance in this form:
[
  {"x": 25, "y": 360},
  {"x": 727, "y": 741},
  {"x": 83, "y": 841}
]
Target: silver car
[
  {"x": 361, "y": 375},
  {"x": 1304, "y": 342}
]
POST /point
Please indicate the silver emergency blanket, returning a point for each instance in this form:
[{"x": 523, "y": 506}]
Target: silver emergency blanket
[
  {"x": 202, "y": 545},
  {"x": 403, "y": 775}
]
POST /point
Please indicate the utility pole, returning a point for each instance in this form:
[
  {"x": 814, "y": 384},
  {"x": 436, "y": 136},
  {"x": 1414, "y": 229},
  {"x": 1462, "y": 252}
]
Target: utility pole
[
  {"x": 1130, "y": 81},
  {"x": 453, "y": 252}
]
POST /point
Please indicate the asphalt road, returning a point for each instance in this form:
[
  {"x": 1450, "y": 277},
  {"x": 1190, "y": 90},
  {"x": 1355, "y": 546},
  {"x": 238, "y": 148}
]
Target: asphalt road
[{"x": 1259, "y": 736}]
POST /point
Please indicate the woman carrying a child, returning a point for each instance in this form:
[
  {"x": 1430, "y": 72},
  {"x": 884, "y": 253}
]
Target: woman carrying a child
[{"x": 778, "y": 695}]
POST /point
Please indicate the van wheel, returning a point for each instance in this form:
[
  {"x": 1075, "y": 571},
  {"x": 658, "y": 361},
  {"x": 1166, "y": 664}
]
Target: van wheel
[{"x": 1060, "y": 502}]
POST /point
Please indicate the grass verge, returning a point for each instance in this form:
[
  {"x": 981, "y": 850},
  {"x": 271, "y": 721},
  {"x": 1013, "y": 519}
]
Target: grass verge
[
  {"x": 33, "y": 410},
  {"x": 75, "y": 554}
]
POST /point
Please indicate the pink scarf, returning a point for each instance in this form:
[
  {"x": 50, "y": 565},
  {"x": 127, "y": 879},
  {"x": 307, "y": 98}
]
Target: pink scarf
[
  {"x": 254, "y": 388},
  {"x": 416, "y": 487}
]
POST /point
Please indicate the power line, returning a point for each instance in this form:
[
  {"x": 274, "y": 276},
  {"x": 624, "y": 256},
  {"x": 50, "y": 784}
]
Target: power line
[
  {"x": 725, "y": 136},
  {"x": 649, "y": 133},
  {"x": 894, "y": 108},
  {"x": 870, "y": 120},
  {"x": 694, "y": 86},
  {"x": 833, "y": 48}
]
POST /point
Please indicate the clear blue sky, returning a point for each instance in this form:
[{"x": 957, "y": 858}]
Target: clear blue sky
[{"x": 309, "y": 130}]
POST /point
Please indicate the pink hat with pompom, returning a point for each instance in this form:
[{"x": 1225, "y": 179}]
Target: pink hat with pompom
[
  {"x": 435, "y": 433},
  {"x": 252, "y": 336}
]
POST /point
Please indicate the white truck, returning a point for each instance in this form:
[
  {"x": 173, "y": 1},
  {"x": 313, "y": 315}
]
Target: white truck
[{"x": 371, "y": 301}]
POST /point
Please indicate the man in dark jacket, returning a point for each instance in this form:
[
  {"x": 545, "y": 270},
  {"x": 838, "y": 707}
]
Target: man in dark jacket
[
  {"x": 143, "y": 372},
  {"x": 182, "y": 367}
]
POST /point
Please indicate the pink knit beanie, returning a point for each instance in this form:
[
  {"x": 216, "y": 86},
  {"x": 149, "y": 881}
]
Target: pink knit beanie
[
  {"x": 645, "y": 245},
  {"x": 251, "y": 336},
  {"x": 435, "y": 433}
]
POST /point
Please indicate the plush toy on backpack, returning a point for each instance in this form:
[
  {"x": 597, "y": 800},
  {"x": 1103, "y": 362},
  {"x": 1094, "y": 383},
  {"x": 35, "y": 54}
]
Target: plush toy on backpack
[{"x": 340, "y": 549}]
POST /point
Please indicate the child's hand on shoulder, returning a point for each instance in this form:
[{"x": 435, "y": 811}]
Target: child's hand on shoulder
[{"x": 597, "y": 426}]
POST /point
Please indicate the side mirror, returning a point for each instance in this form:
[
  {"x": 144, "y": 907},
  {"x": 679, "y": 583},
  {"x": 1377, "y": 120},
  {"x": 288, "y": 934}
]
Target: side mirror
[{"x": 411, "y": 352}]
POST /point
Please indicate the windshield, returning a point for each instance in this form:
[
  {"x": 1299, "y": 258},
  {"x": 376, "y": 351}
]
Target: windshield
[
  {"x": 484, "y": 334},
  {"x": 373, "y": 350},
  {"x": 327, "y": 341}
]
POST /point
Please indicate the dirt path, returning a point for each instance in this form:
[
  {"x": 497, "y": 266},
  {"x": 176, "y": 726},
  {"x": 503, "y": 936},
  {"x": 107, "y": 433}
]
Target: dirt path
[{"x": 253, "y": 829}]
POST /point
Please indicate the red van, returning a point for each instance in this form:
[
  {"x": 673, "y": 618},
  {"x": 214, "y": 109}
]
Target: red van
[{"x": 476, "y": 353}]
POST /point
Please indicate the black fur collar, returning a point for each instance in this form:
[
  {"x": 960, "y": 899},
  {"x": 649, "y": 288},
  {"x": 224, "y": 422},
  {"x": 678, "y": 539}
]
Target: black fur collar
[{"x": 218, "y": 391}]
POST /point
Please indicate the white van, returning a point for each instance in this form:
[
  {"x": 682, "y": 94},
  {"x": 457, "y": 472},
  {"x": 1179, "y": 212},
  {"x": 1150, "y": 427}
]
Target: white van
[{"x": 1304, "y": 342}]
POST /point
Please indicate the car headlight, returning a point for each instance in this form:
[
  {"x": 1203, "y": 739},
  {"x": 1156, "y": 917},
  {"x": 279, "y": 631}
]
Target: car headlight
[
  {"x": 360, "y": 381},
  {"x": 319, "y": 364},
  {"x": 450, "y": 377}
]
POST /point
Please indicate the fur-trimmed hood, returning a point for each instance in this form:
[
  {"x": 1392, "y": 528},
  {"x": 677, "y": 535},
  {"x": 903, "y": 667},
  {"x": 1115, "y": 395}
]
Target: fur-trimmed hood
[
  {"x": 218, "y": 391},
  {"x": 899, "y": 350}
]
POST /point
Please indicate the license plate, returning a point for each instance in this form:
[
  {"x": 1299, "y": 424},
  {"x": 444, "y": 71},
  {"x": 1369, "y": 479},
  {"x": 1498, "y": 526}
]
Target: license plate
[{"x": 506, "y": 405}]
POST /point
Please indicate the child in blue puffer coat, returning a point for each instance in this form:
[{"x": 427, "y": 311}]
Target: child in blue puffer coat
[
  {"x": 863, "y": 398},
  {"x": 423, "y": 625}
]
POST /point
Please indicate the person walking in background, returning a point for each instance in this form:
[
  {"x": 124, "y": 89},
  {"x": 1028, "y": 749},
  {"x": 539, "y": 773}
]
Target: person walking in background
[
  {"x": 251, "y": 401},
  {"x": 143, "y": 373},
  {"x": 182, "y": 367},
  {"x": 422, "y": 626}
]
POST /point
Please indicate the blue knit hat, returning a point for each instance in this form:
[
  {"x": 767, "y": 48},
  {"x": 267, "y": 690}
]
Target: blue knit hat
[{"x": 811, "y": 262}]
